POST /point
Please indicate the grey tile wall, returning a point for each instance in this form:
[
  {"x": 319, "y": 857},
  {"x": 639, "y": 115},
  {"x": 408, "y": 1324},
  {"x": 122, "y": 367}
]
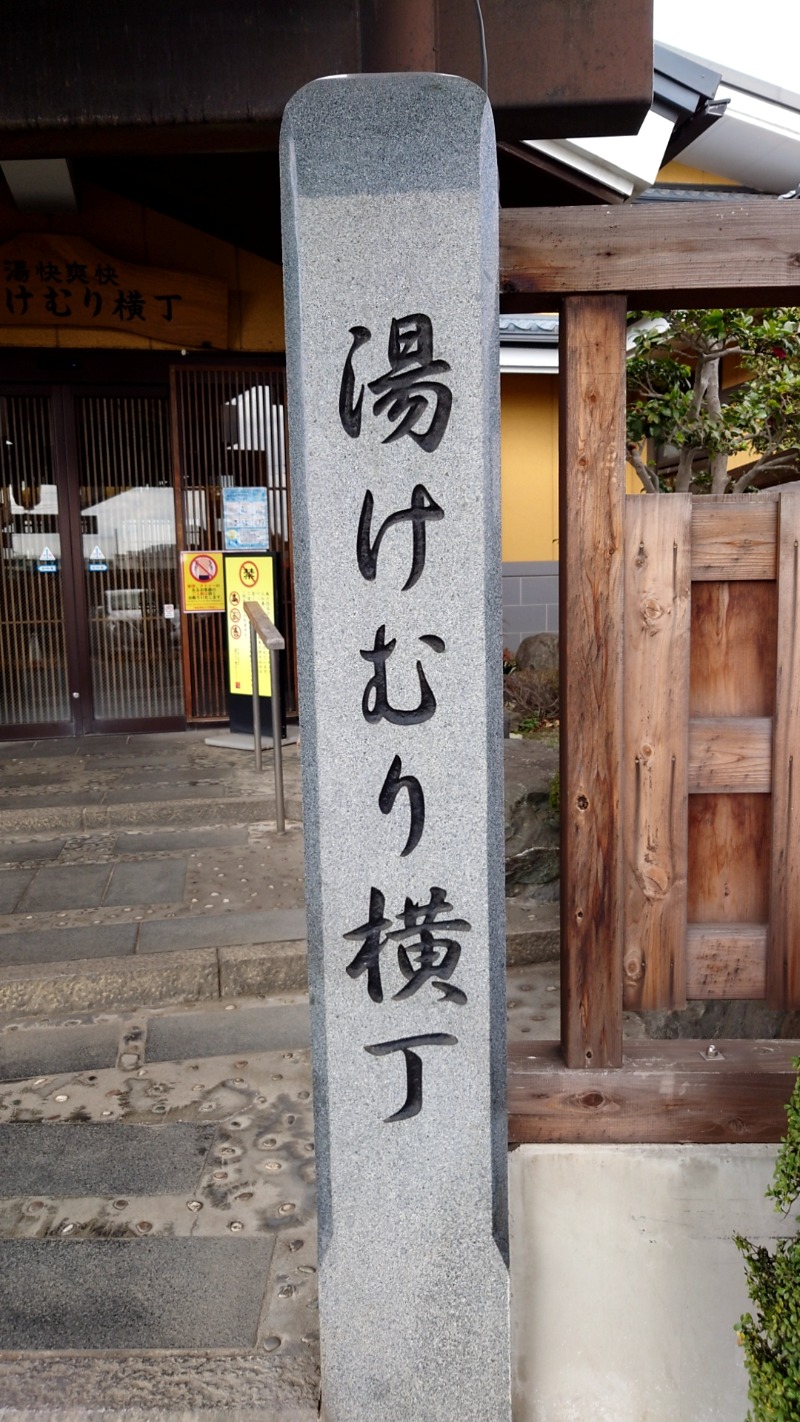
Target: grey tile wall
[{"x": 530, "y": 601}]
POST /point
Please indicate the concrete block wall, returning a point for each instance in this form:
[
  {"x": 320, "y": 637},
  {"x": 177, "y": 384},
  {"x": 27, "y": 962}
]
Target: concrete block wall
[
  {"x": 626, "y": 1286},
  {"x": 530, "y": 601}
]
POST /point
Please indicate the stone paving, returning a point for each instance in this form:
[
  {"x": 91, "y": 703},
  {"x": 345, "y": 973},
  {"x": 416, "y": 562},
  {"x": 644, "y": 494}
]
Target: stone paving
[{"x": 157, "y": 1252}]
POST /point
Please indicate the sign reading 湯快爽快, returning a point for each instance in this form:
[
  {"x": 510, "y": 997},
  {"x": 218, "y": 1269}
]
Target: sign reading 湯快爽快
[
  {"x": 390, "y": 270},
  {"x": 48, "y": 279}
]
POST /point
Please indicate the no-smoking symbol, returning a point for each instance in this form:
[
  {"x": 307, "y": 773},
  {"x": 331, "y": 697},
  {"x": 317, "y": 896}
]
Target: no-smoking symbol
[
  {"x": 248, "y": 573},
  {"x": 203, "y": 568}
]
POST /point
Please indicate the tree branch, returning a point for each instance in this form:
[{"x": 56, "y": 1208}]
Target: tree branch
[
  {"x": 645, "y": 473},
  {"x": 718, "y": 465},
  {"x": 683, "y": 477}
]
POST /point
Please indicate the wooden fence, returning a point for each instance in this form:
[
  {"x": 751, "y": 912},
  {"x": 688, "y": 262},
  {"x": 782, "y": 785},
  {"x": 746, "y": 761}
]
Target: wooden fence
[
  {"x": 680, "y": 690},
  {"x": 711, "y": 895}
]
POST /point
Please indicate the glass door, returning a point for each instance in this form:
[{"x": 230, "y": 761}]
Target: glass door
[
  {"x": 90, "y": 631},
  {"x": 128, "y": 559},
  {"x": 37, "y": 613}
]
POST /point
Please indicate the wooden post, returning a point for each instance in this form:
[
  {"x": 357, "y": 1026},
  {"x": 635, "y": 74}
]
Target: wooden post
[
  {"x": 783, "y": 951},
  {"x": 591, "y": 519}
]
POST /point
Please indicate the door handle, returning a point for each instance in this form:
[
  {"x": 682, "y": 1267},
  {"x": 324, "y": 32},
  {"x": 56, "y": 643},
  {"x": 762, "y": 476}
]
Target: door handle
[{"x": 76, "y": 696}]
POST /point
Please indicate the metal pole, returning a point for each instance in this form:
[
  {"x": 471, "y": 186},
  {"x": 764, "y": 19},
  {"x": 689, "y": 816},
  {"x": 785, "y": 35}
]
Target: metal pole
[
  {"x": 256, "y": 702},
  {"x": 274, "y": 665}
]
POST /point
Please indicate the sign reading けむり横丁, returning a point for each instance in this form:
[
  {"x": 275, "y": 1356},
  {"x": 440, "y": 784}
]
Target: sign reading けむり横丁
[
  {"x": 47, "y": 279},
  {"x": 390, "y": 234}
]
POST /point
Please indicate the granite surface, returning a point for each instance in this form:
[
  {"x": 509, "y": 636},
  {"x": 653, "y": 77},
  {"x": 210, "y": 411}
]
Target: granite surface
[{"x": 390, "y": 267}]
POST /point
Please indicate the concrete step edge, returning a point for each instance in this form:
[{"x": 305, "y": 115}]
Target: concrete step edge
[
  {"x": 155, "y": 814},
  {"x": 54, "y": 1413},
  {"x": 44, "y": 1387},
  {"x": 193, "y": 975}
]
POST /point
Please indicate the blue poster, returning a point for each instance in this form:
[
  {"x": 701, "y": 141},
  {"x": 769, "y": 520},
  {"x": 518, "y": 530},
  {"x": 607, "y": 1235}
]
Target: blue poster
[{"x": 245, "y": 518}]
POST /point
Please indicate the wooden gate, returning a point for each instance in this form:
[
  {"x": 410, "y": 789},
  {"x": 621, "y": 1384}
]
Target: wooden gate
[
  {"x": 711, "y": 896},
  {"x": 680, "y": 689}
]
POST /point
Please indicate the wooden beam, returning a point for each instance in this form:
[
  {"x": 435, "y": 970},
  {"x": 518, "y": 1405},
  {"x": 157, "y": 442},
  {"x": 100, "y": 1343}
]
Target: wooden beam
[
  {"x": 726, "y": 960},
  {"x": 730, "y": 753},
  {"x": 591, "y": 500},
  {"x": 71, "y": 76},
  {"x": 736, "y": 539},
  {"x": 737, "y": 253},
  {"x": 655, "y": 785},
  {"x": 669, "y": 1093}
]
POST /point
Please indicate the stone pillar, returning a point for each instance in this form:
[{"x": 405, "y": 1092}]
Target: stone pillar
[{"x": 391, "y": 262}]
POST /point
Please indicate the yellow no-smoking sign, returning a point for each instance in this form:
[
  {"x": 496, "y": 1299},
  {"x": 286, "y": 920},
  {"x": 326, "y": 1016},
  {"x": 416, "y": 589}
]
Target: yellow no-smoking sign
[
  {"x": 248, "y": 578},
  {"x": 202, "y": 582}
]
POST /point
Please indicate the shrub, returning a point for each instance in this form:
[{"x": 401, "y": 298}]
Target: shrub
[{"x": 771, "y": 1338}]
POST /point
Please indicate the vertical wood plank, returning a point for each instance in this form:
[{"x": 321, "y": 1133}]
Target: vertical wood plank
[
  {"x": 656, "y": 748},
  {"x": 591, "y": 512},
  {"x": 733, "y": 649},
  {"x": 729, "y": 838},
  {"x": 783, "y": 950}
]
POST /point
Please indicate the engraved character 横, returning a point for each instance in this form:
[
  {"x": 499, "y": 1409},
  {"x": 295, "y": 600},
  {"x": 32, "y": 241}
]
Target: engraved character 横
[{"x": 436, "y": 957}]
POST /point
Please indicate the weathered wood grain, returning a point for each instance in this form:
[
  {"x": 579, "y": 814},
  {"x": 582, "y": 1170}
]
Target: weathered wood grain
[
  {"x": 734, "y": 538},
  {"x": 592, "y": 493},
  {"x": 730, "y": 753},
  {"x": 726, "y": 960},
  {"x": 729, "y": 858},
  {"x": 655, "y": 767},
  {"x": 665, "y": 1092},
  {"x": 728, "y": 253},
  {"x": 783, "y": 954},
  {"x": 734, "y": 638}
]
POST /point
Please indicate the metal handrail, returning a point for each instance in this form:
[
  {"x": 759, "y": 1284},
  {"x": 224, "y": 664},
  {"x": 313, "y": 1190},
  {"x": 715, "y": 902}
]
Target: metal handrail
[{"x": 261, "y": 627}]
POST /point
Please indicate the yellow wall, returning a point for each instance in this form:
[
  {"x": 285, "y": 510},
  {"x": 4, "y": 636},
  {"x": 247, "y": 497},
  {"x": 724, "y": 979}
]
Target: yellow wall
[
  {"x": 529, "y": 467},
  {"x": 676, "y": 172},
  {"x": 134, "y": 233}
]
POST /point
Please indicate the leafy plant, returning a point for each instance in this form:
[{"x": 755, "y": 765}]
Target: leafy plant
[
  {"x": 530, "y": 723},
  {"x": 771, "y": 1336},
  {"x": 691, "y": 425}
]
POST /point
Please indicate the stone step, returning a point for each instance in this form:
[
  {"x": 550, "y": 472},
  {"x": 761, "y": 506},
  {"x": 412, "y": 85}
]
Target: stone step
[
  {"x": 158, "y": 1223},
  {"x": 72, "y": 814},
  {"x": 194, "y": 959}
]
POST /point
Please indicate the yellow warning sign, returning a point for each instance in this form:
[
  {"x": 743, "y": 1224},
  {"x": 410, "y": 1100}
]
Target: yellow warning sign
[
  {"x": 248, "y": 578},
  {"x": 202, "y": 582}
]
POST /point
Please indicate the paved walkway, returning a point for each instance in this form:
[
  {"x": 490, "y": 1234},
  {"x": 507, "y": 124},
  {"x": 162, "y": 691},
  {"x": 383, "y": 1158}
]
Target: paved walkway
[
  {"x": 147, "y": 869},
  {"x": 157, "y": 1247}
]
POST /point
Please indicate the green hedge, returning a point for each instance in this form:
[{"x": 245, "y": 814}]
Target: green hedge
[{"x": 770, "y": 1335}]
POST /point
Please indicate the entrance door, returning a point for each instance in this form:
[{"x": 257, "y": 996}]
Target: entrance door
[{"x": 89, "y": 605}]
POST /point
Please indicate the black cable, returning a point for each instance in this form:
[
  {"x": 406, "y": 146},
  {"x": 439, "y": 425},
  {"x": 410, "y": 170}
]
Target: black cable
[{"x": 484, "y": 57}]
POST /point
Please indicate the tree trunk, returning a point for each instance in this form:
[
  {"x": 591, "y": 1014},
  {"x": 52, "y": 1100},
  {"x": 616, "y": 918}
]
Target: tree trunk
[{"x": 719, "y": 472}]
